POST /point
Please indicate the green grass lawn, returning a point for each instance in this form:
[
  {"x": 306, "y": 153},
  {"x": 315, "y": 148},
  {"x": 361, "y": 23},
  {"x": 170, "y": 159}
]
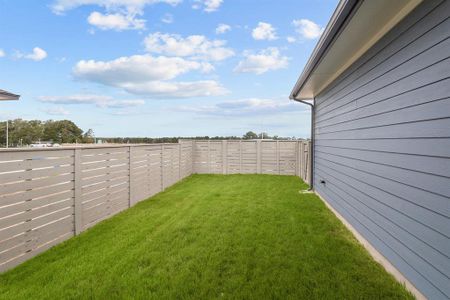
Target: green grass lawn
[{"x": 210, "y": 237}]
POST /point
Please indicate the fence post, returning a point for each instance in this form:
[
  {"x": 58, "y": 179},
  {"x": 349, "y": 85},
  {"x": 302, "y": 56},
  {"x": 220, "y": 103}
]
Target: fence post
[
  {"x": 179, "y": 160},
  {"x": 130, "y": 177},
  {"x": 296, "y": 158},
  {"x": 258, "y": 156},
  {"x": 224, "y": 157},
  {"x": 300, "y": 159},
  {"x": 162, "y": 167},
  {"x": 278, "y": 156},
  {"x": 308, "y": 174},
  {"x": 240, "y": 157},
  {"x": 192, "y": 156},
  {"x": 209, "y": 157},
  {"x": 78, "y": 208}
]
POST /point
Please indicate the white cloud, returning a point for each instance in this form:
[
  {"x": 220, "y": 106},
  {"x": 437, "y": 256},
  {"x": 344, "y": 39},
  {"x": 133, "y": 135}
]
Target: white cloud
[
  {"x": 123, "y": 103},
  {"x": 131, "y": 6},
  {"x": 167, "y": 18},
  {"x": 194, "y": 46},
  {"x": 167, "y": 89},
  {"x": 74, "y": 99},
  {"x": 2, "y": 53},
  {"x": 245, "y": 107},
  {"x": 222, "y": 28},
  {"x": 57, "y": 111},
  {"x": 307, "y": 28},
  {"x": 120, "y": 14},
  {"x": 207, "y": 5},
  {"x": 136, "y": 68},
  {"x": 129, "y": 112},
  {"x": 116, "y": 21},
  {"x": 97, "y": 100},
  {"x": 264, "y": 31},
  {"x": 149, "y": 76},
  {"x": 291, "y": 39},
  {"x": 266, "y": 60},
  {"x": 37, "y": 54}
]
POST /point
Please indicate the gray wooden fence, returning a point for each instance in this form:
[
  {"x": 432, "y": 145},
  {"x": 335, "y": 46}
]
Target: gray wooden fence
[
  {"x": 49, "y": 195},
  {"x": 252, "y": 157}
]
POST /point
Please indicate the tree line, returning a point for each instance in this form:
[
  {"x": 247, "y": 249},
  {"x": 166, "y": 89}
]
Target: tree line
[
  {"x": 26, "y": 132},
  {"x": 23, "y": 132},
  {"x": 250, "y": 135}
]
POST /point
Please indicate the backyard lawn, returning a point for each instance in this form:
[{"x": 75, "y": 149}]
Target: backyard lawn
[{"x": 210, "y": 237}]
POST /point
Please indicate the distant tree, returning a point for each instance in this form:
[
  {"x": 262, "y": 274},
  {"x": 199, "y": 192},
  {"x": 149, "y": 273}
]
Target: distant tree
[
  {"x": 34, "y": 131},
  {"x": 88, "y": 136},
  {"x": 21, "y": 132},
  {"x": 63, "y": 131},
  {"x": 250, "y": 135},
  {"x": 263, "y": 135}
]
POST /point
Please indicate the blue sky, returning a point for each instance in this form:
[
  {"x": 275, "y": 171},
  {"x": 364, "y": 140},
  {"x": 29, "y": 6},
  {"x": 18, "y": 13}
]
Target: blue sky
[{"x": 160, "y": 67}]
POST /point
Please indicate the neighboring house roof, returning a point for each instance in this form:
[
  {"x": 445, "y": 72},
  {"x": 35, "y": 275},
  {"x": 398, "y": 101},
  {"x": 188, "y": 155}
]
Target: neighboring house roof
[
  {"x": 356, "y": 25},
  {"x": 4, "y": 95}
]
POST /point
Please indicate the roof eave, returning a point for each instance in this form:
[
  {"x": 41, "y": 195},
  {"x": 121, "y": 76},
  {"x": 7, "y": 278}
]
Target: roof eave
[
  {"x": 355, "y": 27},
  {"x": 4, "y": 96},
  {"x": 337, "y": 21}
]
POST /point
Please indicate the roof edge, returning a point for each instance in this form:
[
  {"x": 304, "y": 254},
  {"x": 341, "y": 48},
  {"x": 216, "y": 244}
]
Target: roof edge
[
  {"x": 339, "y": 18},
  {"x": 4, "y": 95}
]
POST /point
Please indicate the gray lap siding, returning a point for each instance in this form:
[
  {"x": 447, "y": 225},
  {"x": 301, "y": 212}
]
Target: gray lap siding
[{"x": 382, "y": 131}]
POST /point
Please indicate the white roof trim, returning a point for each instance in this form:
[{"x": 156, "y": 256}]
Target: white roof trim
[
  {"x": 4, "y": 95},
  {"x": 366, "y": 24}
]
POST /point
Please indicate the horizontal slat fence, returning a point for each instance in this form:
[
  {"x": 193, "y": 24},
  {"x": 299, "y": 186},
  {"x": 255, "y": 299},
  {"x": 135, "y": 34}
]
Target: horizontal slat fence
[
  {"x": 252, "y": 157},
  {"x": 36, "y": 202},
  {"x": 50, "y": 195}
]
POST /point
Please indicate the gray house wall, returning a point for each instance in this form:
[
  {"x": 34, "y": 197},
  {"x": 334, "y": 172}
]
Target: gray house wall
[{"x": 382, "y": 147}]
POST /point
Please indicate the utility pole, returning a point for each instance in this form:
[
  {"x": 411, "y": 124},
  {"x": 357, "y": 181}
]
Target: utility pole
[{"x": 7, "y": 133}]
